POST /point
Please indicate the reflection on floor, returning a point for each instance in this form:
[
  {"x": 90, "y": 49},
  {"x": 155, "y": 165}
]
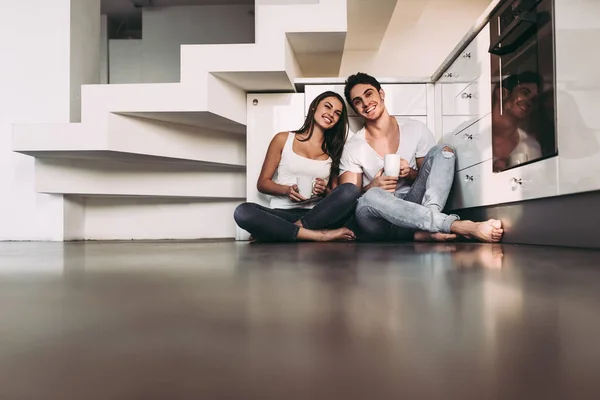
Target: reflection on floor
[{"x": 226, "y": 320}]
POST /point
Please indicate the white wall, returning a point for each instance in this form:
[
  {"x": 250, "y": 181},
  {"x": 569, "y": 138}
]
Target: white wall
[
  {"x": 104, "y": 49},
  {"x": 125, "y": 61},
  {"x": 36, "y": 87},
  {"x": 164, "y": 30},
  {"x": 85, "y": 50},
  {"x": 142, "y": 219},
  {"x": 421, "y": 34}
]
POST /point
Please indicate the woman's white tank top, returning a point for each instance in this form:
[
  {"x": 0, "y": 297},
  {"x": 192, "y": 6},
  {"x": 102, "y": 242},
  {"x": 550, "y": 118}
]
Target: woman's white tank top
[{"x": 291, "y": 167}]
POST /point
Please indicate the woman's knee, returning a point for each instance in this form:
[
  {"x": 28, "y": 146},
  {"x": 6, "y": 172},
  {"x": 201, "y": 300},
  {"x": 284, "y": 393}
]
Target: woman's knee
[
  {"x": 349, "y": 192},
  {"x": 243, "y": 213}
]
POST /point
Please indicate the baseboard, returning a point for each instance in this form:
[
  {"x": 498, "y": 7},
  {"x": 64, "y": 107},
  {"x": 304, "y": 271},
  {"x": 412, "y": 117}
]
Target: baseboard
[{"x": 571, "y": 221}]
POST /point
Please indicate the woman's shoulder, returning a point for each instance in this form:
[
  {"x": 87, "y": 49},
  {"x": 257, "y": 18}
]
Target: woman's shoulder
[{"x": 280, "y": 138}]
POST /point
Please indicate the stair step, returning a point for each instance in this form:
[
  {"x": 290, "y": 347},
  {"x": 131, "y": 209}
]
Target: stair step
[
  {"x": 210, "y": 102},
  {"x": 128, "y": 179},
  {"x": 128, "y": 138}
]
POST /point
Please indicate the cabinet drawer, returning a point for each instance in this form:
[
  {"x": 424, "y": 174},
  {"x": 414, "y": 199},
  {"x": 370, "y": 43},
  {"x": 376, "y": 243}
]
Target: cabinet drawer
[
  {"x": 478, "y": 186},
  {"x": 467, "y": 188},
  {"x": 465, "y": 68},
  {"x": 473, "y": 144},
  {"x": 471, "y": 99},
  {"x": 452, "y": 124},
  {"x": 406, "y": 99},
  {"x": 473, "y": 62},
  {"x": 532, "y": 181},
  {"x": 400, "y": 99}
]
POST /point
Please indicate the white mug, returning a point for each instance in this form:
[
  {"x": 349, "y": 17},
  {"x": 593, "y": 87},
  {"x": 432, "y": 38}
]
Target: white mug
[
  {"x": 516, "y": 159},
  {"x": 391, "y": 165},
  {"x": 305, "y": 186}
]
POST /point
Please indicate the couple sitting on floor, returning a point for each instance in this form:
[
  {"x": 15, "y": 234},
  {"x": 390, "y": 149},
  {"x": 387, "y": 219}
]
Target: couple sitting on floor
[{"x": 352, "y": 197}]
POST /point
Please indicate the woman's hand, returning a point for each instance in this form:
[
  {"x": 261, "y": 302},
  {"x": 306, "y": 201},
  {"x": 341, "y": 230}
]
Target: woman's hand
[
  {"x": 319, "y": 187},
  {"x": 294, "y": 194}
]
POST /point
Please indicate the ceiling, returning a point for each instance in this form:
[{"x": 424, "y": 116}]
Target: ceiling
[
  {"x": 119, "y": 7},
  {"x": 367, "y": 22}
]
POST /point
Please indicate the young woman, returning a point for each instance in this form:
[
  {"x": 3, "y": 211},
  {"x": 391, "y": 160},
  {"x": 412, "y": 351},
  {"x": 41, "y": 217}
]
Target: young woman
[{"x": 313, "y": 151}]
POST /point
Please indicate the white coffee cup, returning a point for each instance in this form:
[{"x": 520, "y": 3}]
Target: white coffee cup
[
  {"x": 305, "y": 186},
  {"x": 391, "y": 165},
  {"x": 517, "y": 158}
]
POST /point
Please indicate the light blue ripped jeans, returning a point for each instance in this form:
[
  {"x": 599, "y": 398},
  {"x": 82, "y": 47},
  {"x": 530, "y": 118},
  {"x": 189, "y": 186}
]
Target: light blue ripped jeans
[{"x": 383, "y": 215}]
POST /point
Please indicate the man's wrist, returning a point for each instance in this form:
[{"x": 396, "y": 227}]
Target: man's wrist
[{"x": 412, "y": 175}]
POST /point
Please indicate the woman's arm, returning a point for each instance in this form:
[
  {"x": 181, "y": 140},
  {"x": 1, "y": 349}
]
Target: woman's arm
[{"x": 265, "y": 183}]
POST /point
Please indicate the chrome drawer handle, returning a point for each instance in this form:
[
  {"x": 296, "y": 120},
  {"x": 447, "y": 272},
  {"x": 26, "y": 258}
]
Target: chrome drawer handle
[
  {"x": 466, "y": 96},
  {"x": 450, "y": 75},
  {"x": 516, "y": 183}
]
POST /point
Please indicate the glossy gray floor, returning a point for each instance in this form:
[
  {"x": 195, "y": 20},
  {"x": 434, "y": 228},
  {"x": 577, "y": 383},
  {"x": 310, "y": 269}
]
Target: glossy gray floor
[{"x": 225, "y": 320}]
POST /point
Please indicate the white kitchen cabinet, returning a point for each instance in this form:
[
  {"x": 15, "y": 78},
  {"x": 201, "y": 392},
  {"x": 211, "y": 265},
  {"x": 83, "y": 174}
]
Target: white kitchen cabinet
[
  {"x": 478, "y": 186},
  {"x": 267, "y": 114},
  {"x": 453, "y": 124},
  {"x": 473, "y": 144},
  {"x": 406, "y": 99},
  {"x": 532, "y": 181},
  {"x": 471, "y": 62},
  {"x": 473, "y": 99},
  {"x": 467, "y": 190},
  {"x": 400, "y": 99}
]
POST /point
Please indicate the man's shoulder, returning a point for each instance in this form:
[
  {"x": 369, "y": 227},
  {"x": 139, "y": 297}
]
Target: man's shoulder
[
  {"x": 412, "y": 124},
  {"x": 357, "y": 141}
]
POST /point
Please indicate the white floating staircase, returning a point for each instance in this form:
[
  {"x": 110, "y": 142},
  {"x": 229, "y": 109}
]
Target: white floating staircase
[{"x": 167, "y": 160}]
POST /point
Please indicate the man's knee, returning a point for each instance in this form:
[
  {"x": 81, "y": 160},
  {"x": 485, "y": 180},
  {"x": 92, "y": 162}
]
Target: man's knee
[
  {"x": 444, "y": 150},
  {"x": 372, "y": 198},
  {"x": 448, "y": 151}
]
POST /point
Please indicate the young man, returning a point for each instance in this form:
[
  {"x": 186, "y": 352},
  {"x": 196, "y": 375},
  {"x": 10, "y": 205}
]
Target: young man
[
  {"x": 517, "y": 95},
  {"x": 408, "y": 206}
]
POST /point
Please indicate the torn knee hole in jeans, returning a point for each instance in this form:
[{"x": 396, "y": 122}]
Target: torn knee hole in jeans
[{"x": 447, "y": 152}]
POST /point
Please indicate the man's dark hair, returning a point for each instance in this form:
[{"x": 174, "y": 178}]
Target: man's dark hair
[
  {"x": 357, "y": 79},
  {"x": 511, "y": 82}
]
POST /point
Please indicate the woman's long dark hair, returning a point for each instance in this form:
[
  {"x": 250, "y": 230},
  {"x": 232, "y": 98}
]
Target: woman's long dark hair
[{"x": 334, "y": 138}]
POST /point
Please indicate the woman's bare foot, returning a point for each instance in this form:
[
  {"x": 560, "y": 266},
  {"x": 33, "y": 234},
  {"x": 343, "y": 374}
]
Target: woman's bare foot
[
  {"x": 422, "y": 236},
  {"x": 488, "y": 231},
  {"x": 342, "y": 234}
]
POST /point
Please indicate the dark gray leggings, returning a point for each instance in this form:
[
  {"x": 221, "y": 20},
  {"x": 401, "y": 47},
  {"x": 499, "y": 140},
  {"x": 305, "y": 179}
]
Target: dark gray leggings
[{"x": 277, "y": 225}]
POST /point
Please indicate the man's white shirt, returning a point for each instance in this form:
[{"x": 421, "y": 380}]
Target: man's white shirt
[{"x": 359, "y": 157}]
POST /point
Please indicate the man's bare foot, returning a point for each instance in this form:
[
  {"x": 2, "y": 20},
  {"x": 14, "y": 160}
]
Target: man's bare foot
[
  {"x": 488, "y": 231},
  {"x": 342, "y": 234},
  {"x": 422, "y": 236}
]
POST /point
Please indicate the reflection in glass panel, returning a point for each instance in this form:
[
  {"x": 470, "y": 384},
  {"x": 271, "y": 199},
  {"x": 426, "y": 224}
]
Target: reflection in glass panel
[{"x": 523, "y": 118}]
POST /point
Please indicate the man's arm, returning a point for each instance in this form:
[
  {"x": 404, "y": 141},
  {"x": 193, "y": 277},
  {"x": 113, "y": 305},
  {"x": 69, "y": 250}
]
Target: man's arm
[
  {"x": 351, "y": 177},
  {"x": 410, "y": 174},
  {"x": 385, "y": 182}
]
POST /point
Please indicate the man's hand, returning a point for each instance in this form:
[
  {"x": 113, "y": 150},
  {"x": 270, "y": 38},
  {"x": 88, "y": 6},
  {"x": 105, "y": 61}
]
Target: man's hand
[
  {"x": 404, "y": 169},
  {"x": 387, "y": 183}
]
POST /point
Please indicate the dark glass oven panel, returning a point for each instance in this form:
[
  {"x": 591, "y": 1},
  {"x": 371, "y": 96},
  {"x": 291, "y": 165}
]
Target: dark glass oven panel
[{"x": 522, "y": 53}]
